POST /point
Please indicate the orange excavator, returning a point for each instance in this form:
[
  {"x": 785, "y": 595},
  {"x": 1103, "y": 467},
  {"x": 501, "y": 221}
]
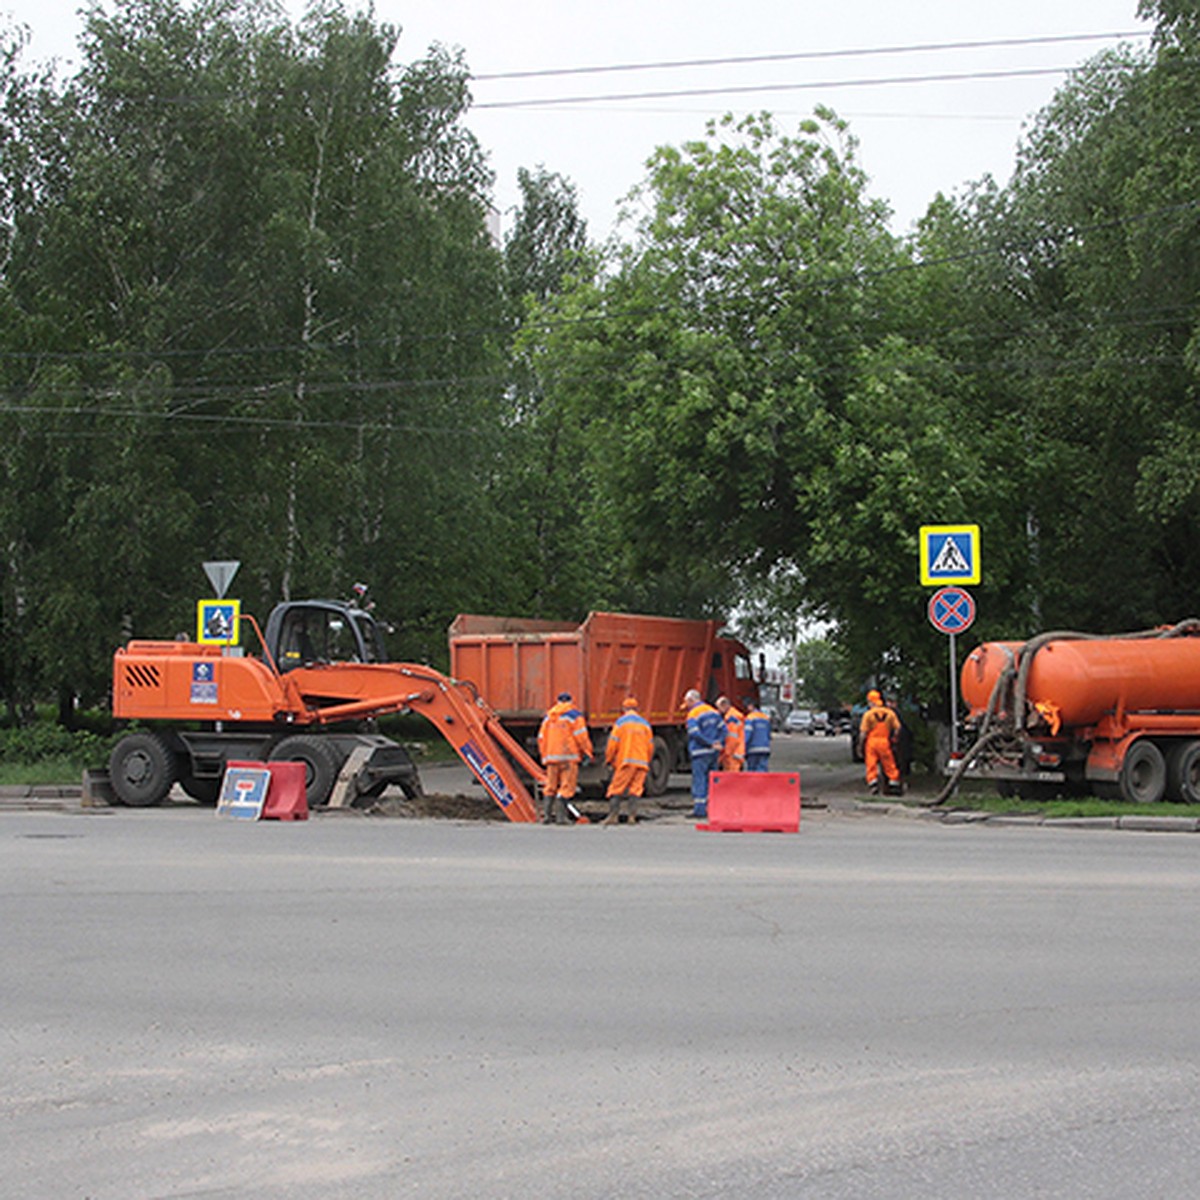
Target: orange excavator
[{"x": 311, "y": 696}]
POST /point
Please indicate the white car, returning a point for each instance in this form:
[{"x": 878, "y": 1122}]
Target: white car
[{"x": 799, "y": 720}]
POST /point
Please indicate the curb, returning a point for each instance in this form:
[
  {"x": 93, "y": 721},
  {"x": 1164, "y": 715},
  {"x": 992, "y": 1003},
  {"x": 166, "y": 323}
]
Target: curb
[
  {"x": 1134, "y": 823},
  {"x": 40, "y": 798}
]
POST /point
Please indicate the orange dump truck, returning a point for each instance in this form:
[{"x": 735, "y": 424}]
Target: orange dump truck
[
  {"x": 520, "y": 665},
  {"x": 1071, "y": 713}
]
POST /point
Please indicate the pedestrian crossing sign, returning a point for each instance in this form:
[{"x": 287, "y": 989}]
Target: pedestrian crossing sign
[{"x": 949, "y": 554}]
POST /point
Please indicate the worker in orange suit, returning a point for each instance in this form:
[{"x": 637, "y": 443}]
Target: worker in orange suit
[
  {"x": 628, "y": 752},
  {"x": 733, "y": 751},
  {"x": 563, "y": 741},
  {"x": 878, "y": 729}
]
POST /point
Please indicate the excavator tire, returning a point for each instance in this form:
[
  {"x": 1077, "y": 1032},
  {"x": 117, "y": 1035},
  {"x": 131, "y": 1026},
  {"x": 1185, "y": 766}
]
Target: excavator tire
[
  {"x": 142, "y": 769},
  {"x": 320, "y": 761}
]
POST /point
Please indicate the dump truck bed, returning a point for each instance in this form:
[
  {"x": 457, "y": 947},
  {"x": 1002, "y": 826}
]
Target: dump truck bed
[{"x": 520, "y": 665}]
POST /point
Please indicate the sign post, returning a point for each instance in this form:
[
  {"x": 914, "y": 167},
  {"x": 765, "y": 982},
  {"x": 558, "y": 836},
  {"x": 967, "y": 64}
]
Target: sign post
[
  {"x": 949, "y": 557},
  {"x": 952, "y": 611}
]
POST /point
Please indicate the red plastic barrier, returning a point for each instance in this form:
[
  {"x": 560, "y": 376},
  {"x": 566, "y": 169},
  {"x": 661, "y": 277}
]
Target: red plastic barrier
[
  {"x": 753, "y": 802},
  {"x": 286, "y": 799}
]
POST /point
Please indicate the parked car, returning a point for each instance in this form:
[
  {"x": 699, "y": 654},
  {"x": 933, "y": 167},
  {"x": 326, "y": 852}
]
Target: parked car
[
  {"x": 820, "y": 723},
  {"x": 839, "y": 723},
  {"x": 769, "y": 710},
  {"x": 799, "y": 720}
]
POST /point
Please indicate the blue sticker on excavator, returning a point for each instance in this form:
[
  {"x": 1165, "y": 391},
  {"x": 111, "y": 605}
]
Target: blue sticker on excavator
[{"x": 487, "y": 774}]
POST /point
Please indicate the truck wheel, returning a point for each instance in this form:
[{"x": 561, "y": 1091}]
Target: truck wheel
[
  {"x": 1143, "y": 778},
  {"x": 320, "y": 765},
  {"x": 659, "y": 774},
  {"x": 1183, "y": 773},
  {"x": 142, "y": 770}
]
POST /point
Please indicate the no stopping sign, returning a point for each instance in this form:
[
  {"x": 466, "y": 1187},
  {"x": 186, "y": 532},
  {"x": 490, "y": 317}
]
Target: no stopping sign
[{"x": 951, "y": 610}]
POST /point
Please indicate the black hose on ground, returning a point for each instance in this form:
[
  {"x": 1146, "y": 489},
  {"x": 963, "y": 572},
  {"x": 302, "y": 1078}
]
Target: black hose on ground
[{"x": 964, "y": 762}]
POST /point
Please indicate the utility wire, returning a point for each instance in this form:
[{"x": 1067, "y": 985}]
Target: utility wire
[
  {"x": 223, "y": 423},
  {"x": 810, "y": 85},
  {"x": 812, "y": 55}
]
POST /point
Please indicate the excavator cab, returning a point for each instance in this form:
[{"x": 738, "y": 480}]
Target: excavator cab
[{"x": 303, "y": 632}]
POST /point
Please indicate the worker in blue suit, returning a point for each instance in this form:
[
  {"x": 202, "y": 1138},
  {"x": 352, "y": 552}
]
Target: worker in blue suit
[{"x": 706, "y": 736}]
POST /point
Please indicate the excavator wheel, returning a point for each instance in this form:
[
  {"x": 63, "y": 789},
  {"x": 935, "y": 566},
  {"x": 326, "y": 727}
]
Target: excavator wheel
[
  {"x": 142, "y": 769},
  {"x": 320, "y": 761}
]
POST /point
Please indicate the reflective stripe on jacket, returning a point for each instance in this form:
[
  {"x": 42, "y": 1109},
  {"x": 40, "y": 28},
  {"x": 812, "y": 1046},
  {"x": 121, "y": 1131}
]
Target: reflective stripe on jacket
[
  {"x": 631, "y": 742},
  {"x": 563, "y": 736},
  {"x": 706, "y": 730},
  {"x": 758, "y": 732},
  {"x": 735, "y": 734}
]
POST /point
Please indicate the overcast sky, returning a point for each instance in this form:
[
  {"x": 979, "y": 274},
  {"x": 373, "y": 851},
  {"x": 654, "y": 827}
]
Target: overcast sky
[{"x": 916, "y": 138}]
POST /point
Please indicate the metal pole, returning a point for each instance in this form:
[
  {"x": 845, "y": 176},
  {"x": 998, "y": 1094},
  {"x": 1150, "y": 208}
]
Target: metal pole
[{"x": 953, "y": 700}]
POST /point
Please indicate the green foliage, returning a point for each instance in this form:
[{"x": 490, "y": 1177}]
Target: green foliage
[
  {"x": 31, "y": 744},
  {"x": 249, "y": 308},
  {"x": 547, "y": 239},
  {"x": 824, "y": 678}
]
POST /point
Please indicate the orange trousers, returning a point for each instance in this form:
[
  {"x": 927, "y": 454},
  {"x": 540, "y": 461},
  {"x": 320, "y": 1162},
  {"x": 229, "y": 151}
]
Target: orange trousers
[
  {"x": 562, "y": 779},
  {"x": 877, "y": 752},
  {"x": 627, "y": 780}
]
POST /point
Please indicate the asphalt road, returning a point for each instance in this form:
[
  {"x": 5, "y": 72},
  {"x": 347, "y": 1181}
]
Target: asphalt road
[{"x": 367, "y": 1008}]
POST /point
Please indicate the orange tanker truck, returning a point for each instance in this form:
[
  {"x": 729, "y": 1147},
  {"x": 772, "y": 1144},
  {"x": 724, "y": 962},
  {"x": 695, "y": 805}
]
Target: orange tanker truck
[
  {"x": 521, "y": 664},
  {"x": 1072, "y": 713}
]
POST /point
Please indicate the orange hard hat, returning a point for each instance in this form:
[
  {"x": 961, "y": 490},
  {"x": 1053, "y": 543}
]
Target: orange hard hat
[
  {"x": 873, "y": 697},
  {"x": 629, "y": 702}
]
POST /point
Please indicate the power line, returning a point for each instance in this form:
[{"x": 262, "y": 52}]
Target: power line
[
  {"x": 811, "y": 55},
  {"x": 811, "y": 85}
]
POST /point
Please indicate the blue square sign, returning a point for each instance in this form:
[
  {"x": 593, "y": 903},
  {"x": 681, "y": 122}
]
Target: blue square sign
[
  {"x": 949, "y": 554},
  {"x": 243, "y": 793}
]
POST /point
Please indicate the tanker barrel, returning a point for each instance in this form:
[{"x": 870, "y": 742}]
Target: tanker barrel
[
  {"x": 983, "y": 669},
  {"x": 1084, "y": 678}
]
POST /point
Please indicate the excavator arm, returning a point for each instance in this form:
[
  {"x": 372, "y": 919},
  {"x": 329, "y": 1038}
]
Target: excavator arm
[{"x": 346, "y": 691}]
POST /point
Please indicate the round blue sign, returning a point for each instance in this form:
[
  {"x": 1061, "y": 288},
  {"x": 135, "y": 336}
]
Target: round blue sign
[{"x": 951, "y": 610}]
